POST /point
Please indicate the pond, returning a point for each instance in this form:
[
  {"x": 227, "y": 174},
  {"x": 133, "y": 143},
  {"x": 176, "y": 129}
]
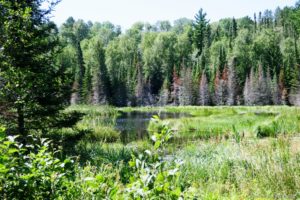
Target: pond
[{"x": 133, "y": 125}]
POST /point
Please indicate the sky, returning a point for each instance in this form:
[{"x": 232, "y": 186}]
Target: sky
[{"x": 126, "y": 12}]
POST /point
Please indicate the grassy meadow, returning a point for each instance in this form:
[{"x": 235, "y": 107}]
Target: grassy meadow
[{"x": 227, "y": 152}]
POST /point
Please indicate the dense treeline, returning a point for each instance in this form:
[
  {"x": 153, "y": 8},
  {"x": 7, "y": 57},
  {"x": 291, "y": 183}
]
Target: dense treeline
[{"x": 246, "y": 61}]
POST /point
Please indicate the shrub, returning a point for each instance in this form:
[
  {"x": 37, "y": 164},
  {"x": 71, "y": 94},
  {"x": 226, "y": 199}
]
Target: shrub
[
  {"x": 34, "y": 172},
  {"x": 31, "y": 171},
  {"x": 153, "y": 175}
]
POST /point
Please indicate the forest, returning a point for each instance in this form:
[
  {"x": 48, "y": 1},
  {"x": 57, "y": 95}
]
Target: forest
[
  {"x": 189, "y": 109},
  {"x": 247, "y": 61}
]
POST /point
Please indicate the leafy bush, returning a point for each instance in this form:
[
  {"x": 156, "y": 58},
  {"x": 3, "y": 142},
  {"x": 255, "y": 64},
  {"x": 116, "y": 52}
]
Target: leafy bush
[
  {"x": 34, "y": 172},
  {"x": 153, "y": 175},
  {"x": 31, "y": 171}
]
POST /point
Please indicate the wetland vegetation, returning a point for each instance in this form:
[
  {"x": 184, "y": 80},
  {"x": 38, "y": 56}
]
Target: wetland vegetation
[
  {"x": 227, "y": 152},
  {"x": 63, "y": 136}
]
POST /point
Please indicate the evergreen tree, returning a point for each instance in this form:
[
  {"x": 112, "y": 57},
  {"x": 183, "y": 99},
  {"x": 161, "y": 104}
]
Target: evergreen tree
[
  {"x": 160, "y": 48},
  {"x": 232, "y": 31},
  {"x": 87, "y": 86},
  {"x": 75, "y": 32},
  {"x": 255, "y": 23},
  {"x": 200, "y": 31},
  {"x": 222, "y": 60},
  {"x": 35, "y": 89},
  {"x": 100, "y": 81}
]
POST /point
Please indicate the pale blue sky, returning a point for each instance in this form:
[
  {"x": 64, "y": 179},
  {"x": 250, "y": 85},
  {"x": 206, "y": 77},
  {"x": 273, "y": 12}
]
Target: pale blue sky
[{"x": 127, "y": 12}]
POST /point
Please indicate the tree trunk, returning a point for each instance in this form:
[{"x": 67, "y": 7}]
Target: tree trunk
[{"x": 81, "y": 70}]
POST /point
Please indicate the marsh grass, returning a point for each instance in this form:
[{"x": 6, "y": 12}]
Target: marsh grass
[
  {"x": 203, "y": 122},
  {"x": 228, "y": 152},
  {"x": 253, "y": 169},
  {"x": 226, "y": 122}
]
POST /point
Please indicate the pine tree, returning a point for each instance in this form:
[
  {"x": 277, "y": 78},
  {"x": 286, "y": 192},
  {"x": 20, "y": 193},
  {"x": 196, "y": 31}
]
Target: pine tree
[
  {"x": 233, "y": 29},
  {"x": 255, "y": 23},
  {"x": 35, "y": 88},
  {"x": 87, "y": 86},
  {"x": 222, "y": 60},
  {"x": 232, "y": 32},
  {"x": 75, "y": 32},
  {"x": 80, "y": 73},
  {"x": 101, "y": 84},
  {"x": 200, "y": 31}
]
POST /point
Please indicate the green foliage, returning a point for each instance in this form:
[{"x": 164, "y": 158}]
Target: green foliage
[
  {"x": 154, "y": 176},
  {"x": 267, "y": 50},
  {"x": 268, "y": 130},
  {"x": 243, "y": 167},
  {"x": 236, "y": 135},
  {"x": 250, "y": 169},
  {"x": 104, "y": 134},
  {"x": 32, "y": 171},
  {"x": 34, "y": 89},
  {"x": 141, "y": 62},
  {"x": 201, "y": 33}
]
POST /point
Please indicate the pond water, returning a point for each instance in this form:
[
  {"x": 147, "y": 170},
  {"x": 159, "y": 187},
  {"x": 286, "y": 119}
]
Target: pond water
[{"x": 133, "y": 125}]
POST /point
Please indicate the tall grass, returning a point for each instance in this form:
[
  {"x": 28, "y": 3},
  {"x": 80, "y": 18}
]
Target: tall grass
[
  {"x": 252, "y": 169},
  {"x": 228, "y": 152},
  {"x": 216, "y": 122}
]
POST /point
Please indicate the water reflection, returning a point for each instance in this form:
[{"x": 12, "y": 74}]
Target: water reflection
[{"x": 133, "y": 125}]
